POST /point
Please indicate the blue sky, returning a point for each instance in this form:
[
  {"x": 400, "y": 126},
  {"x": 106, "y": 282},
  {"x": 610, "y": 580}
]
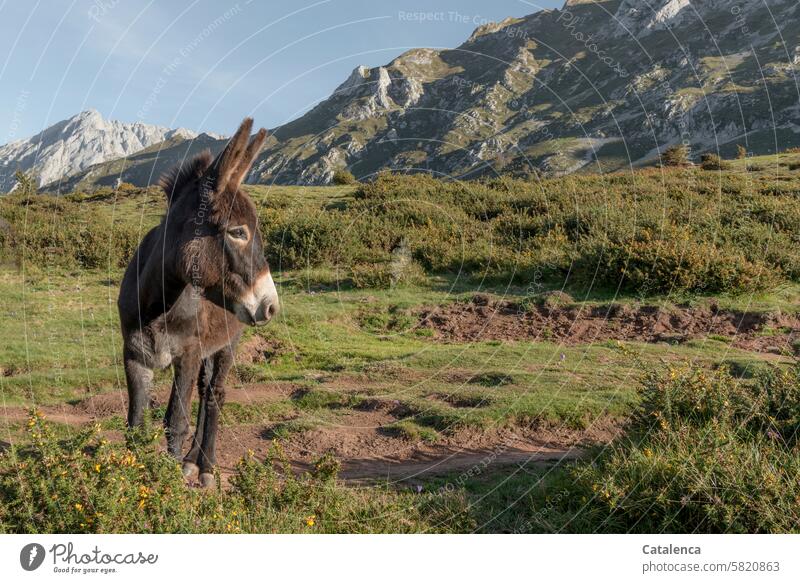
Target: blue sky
[{"x": 205, "y": 64}]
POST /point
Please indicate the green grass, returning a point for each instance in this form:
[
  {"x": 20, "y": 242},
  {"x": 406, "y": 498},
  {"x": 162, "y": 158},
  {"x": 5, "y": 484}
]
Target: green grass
[
  {"x": 63, "y": 344},
  {"x": 334, "y": 359}
]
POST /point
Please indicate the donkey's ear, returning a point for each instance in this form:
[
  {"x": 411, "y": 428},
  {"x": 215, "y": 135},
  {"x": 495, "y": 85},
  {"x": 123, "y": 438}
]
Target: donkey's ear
[
  {"x": 232, "y": 164},
  {"x": 246, "y": 161}
]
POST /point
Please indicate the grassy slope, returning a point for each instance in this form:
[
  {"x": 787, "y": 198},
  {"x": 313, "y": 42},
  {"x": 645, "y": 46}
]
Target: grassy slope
[{"x": 342, "y": 344}]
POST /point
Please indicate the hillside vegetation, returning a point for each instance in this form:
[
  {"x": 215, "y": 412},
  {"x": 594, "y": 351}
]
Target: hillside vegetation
[{"x": 655, "y": 231}]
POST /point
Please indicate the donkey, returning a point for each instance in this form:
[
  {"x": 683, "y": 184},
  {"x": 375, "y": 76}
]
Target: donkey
[{"x": 194, "y": 282}]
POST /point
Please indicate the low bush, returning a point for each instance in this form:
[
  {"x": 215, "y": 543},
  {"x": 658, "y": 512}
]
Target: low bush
[
  {"x": 672, "y": 260},
  {"x": 343, "y": 177},
  {"x": 713, "y": 162},
  {"x": 676, "y": 156},
  {"x": 704, "y": 453},
  {"x": 87, "y": 485},
  {"x": 657, "y": 231},
  {"x": 51, "y": 232}
]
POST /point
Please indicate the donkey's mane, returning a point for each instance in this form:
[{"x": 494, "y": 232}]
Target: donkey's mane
[{"x": 174, "y": 179}]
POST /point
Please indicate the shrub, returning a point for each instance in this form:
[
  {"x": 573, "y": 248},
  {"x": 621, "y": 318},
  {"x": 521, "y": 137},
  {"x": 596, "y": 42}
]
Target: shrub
[
  {"x": 671, "y": 260},
  {"x": 741, "y": 152},
  {"x": 676, "y": 156},
  {"x": 309, "y": 239},
  {"x": 387, "y": 275},
  {"x": 735, "y": 233},
  {"x": 87, "y": 485},
  {"x": 713, "y": 162},
  {"x": 704, "y": 453},
  {"x": 343, "y": 177},
  {"x": 53, "y": 232},
  {"x": 26, "y": 184}
]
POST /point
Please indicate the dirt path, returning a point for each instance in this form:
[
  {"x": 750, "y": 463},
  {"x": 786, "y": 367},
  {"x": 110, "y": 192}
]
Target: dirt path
[
  {"x": 448, "y": 461},
  {"x": 367, "y": 451},
  {"x": 358, "y": 438}
]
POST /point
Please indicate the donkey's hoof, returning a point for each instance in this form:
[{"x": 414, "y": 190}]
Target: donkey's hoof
[
  {"x": 190, "y": 471},
  {"x": 206, "y": 480}
]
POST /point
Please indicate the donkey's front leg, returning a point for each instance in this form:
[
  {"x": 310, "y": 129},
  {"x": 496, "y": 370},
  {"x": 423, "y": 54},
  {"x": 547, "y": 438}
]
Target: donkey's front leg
[
  {"x": 190, "y": 468},
  {"x": 215, "y": 399},
  {"x": 139, "y": 377},
  {"x": 176, "y": 421}
]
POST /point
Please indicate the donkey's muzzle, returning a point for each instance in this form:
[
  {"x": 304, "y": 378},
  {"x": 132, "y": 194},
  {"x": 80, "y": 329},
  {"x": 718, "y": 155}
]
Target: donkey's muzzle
[
  {"x": 265, "y": 311},
  {"x": 260, "y": 304}
]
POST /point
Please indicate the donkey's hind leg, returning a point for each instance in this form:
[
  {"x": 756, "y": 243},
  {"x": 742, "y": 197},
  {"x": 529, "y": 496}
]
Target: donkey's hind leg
[
  {"x": 139, "y": 378},
  {"x": 190, "y": 468},
  {"x": 215, "y": 399}
]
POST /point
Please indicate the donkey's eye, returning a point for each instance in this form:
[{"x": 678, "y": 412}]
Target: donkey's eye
[{"x": 239, "y": 233}]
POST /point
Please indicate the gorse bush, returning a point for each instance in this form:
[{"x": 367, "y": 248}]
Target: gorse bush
[
  {"x": 713, "y": 162},
  {"x": 655, "y": 231},
  {"x": 670, "y": 260},
  {"x": 704, "y": 453},
  {"x": 86, "y": 484},
  {"x": 741, "y": 152},
  {"x": 343, "y": 177},
  {"x": 52, "y": 232},
  {"x": 26, "y": 184},
  {"x": 676, "y": 156}
]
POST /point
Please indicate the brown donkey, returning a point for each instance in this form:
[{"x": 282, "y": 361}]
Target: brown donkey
[{"x": 193, "y": 283}]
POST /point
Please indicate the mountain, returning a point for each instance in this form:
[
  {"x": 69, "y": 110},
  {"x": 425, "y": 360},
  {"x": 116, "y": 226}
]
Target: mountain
[
  {"x": 595, "y": 85},
  {"x": 76, "y": 143},
  {"x": 142, "y": 168}
]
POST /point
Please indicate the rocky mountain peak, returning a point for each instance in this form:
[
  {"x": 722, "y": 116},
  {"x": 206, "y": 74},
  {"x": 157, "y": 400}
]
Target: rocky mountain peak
[
  {"x": 641, "y": 18},
  {"x": 80, "y": 141}
]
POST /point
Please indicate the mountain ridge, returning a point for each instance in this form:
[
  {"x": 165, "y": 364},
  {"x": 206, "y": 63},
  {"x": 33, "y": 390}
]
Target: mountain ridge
[
  {"x": 599, "y": 85},
  {"x": 76, "y": 143}
]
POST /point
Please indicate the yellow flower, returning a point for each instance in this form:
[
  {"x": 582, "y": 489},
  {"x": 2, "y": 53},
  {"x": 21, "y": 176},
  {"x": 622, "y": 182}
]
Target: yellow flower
[
  {"x": 97, "y": 468},
  {"x": 310, "y": 520},
  {"x": 78, "y": 506},
  {"x": 141, "y": 503},
  {"x": 648, "y": 452}
]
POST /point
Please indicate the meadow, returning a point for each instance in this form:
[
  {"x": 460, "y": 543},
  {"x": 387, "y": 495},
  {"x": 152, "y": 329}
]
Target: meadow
[{"x": 592, "y": 353}]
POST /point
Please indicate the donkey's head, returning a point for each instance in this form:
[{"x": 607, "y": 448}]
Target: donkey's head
[{"x": 212, "y": 240}]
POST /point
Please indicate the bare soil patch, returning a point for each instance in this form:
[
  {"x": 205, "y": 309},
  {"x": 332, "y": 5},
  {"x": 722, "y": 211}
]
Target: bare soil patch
[
  {"x": 257, "y": 350},
  {"x": 368, "y": 452},
  {"x": 482, "y": 318}
]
